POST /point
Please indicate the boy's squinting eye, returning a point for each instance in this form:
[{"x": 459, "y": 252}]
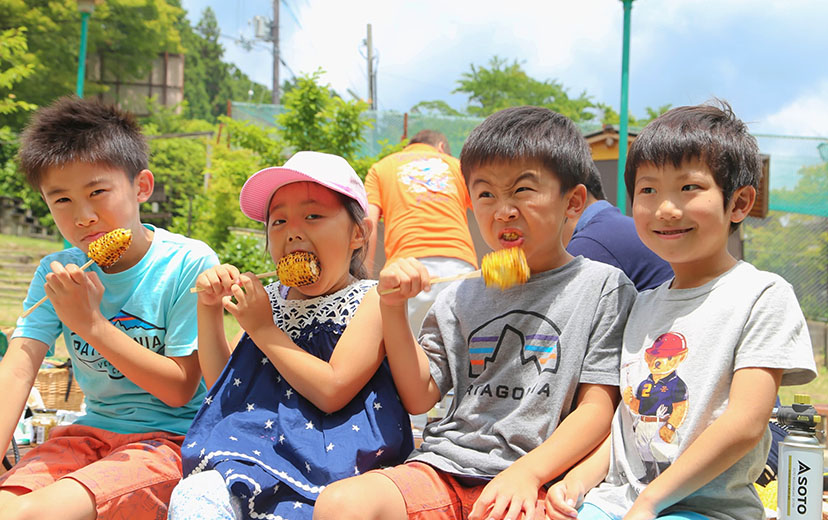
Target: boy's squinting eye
[
  {"x": 689, "y": 187},
  {"x": 484, "y": 195},
  {"x": 646, "y": 190},
  {"x": 277, "y": 221}
]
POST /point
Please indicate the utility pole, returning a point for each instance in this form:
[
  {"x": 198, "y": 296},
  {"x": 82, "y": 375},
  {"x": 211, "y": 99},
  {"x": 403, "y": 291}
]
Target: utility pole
[
  {"x": 274, "y": 28},
  {"x": 372, "y": 79}
]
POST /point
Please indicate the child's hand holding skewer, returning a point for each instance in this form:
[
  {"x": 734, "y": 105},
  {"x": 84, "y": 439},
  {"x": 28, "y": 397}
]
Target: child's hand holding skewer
[
  {"x": 215, "y": 283},
  {"x": 402, "y": 279},
  {"x": 104, "y": 251},
  {"x": 502, "y": 268}
]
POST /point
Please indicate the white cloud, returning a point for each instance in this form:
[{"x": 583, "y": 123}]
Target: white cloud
[{"x": 807, "y": 115}]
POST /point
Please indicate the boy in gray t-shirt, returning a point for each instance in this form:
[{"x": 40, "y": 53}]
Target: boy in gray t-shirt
[
  {"x": 704, "y": 354},
  {"x": 534, "y": 368}
]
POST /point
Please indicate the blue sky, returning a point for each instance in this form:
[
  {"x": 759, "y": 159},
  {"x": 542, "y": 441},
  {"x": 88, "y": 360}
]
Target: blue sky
[{"x": 767, "y": 58}]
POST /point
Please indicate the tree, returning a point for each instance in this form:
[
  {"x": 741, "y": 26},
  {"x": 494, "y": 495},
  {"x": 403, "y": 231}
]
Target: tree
[
  {"x": 16, "y": 64},
  {"x": 316, "y": 119},
  {"x": 128, "y": 34},
  {"x": 502, "y": 85},
  {"x": 436, "y": 107}
]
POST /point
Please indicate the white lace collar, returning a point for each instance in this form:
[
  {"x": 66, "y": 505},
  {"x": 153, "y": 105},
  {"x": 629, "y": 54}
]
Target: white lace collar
[{"x": 338, "y": 308}]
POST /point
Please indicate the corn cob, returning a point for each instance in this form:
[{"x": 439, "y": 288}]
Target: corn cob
[
  {"x": 298, "y": 269},
  {"x": 505, "y": 268},
  {"x": 104, "y": 251},
  {"x": 109, "y": 248}
]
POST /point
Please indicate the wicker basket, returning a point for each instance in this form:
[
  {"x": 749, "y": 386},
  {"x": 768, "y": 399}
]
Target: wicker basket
[{"x": 52, "y": 383}]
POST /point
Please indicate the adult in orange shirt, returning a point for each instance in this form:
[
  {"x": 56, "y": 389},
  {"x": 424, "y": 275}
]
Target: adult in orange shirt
[{"x": 422, "y": 197}]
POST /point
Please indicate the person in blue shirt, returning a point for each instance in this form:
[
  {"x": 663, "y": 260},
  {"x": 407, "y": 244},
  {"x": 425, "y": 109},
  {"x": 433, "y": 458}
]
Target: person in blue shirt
[{"x": 130, "y": 328}]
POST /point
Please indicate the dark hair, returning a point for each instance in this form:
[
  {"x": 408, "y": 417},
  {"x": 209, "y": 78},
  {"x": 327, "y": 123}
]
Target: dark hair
[
  {"x": 81, "y": 130},
  {"x": 532, "y": 134},
  {"x": 710, "y": 133},
  {"x": 431, "y": 138},
  {"x": 593, "y": 183},
  {"x": 357, "y": 214}
]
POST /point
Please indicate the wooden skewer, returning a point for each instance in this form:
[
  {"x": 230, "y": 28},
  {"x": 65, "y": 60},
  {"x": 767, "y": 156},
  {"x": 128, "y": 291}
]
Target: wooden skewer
[
  {"x": 259, "y": 276},
  {"x": 440, "y": 279},
  {"x": 40, "y": 302}
]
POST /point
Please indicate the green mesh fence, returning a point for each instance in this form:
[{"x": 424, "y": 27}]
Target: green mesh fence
[{"x": 792, "y": 241}]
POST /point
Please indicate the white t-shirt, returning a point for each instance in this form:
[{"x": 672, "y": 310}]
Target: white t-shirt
[{"x": 681, "y": 348}]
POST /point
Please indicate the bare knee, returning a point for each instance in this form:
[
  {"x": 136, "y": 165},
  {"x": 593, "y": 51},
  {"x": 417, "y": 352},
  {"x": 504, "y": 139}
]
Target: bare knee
[
  {"x": 367, "y": 497},
  {"x": 336, "y": 503}
]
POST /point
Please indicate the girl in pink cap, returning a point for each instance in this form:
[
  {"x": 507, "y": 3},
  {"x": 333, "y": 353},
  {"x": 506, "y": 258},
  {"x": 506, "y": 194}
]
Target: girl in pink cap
[{"x": 306, "y": 396}]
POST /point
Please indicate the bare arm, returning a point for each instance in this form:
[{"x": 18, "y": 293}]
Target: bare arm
[
  {"x": 374, "y": 214},
  {"x": 731, "y": 436},
  {"x": 213, "y": 349},
  {"x": 515, "y": 489},
  {"x": 18, "y": 370},
  {"x": 409, "y": 363},
  {"x": 328, "y": 385},
  {"x": 563, "y": 498},
  {"x": 76, "y": 297}
]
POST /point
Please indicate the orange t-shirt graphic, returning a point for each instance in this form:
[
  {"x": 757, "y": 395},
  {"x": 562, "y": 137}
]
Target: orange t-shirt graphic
[{"x": 423, "y": 199}]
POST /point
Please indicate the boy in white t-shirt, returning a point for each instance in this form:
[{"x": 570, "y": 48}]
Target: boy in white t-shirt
[{"x": 703, "y": 354}]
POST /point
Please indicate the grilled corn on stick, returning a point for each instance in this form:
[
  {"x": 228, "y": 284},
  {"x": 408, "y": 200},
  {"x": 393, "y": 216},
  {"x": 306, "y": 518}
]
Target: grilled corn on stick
[
  {"x": 294, "y": 270},
  {"x": 104, "y": 251},
  {"x": 502, "y": 268}
]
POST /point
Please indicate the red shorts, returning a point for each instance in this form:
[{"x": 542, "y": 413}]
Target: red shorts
[
  {"x": 435, "y": 495},
  {"x": 131, "y": 475}
]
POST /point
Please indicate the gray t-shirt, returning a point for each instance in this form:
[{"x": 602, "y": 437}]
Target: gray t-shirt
[
  {"x": 681, "y": 348},
  {"x": 514, "y": 359}
]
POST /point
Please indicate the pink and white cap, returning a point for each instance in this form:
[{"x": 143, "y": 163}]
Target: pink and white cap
[{"x": 331, "y": 171}]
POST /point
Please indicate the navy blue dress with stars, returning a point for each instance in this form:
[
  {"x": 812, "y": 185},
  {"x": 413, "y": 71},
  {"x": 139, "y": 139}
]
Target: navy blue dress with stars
[{"x": 274, "y": 448}]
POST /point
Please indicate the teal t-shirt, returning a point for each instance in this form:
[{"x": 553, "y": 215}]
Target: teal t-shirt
[{"x": 150, "y": 302}]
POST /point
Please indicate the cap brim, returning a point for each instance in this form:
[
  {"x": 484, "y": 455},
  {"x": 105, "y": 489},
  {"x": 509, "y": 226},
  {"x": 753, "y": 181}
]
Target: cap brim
[{"x": 259, "y": 188}]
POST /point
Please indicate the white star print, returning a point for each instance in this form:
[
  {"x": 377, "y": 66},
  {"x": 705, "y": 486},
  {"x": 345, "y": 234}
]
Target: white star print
[
  {"x": 307, "y": 467},
  {"x": 309, "y": 425},
  {"x": 265, "y": 361},
  {"x": 329, "y": 447},
  {"x": 233, "y": 438},
  {"x": 356, "y": 470},
  {"x": 208, "y": 400},
  {"x": 281, "y": 439},
  {"x": 250, "y": 407},
  {"x": 269, "y": 424},
  {"x": 192, "y": 444},
  {"x": 288, "y": 393},
  {"x": 380, "y": 452},
  {"x": 377, "y": 405},
  {"x": 228, "y": 472},
  {"x": 355, "y": 427},
  {"x": 201, "y": 453},
  {"x": 237, "y": 382},
  {"x": 278, "y": 379},
  {"x": 297, "y": 505},
  {"x": 257, "y": 452}
]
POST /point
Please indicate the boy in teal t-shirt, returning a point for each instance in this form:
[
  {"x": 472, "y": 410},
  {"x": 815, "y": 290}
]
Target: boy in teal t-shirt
[{"x": 130, "y": 328}]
